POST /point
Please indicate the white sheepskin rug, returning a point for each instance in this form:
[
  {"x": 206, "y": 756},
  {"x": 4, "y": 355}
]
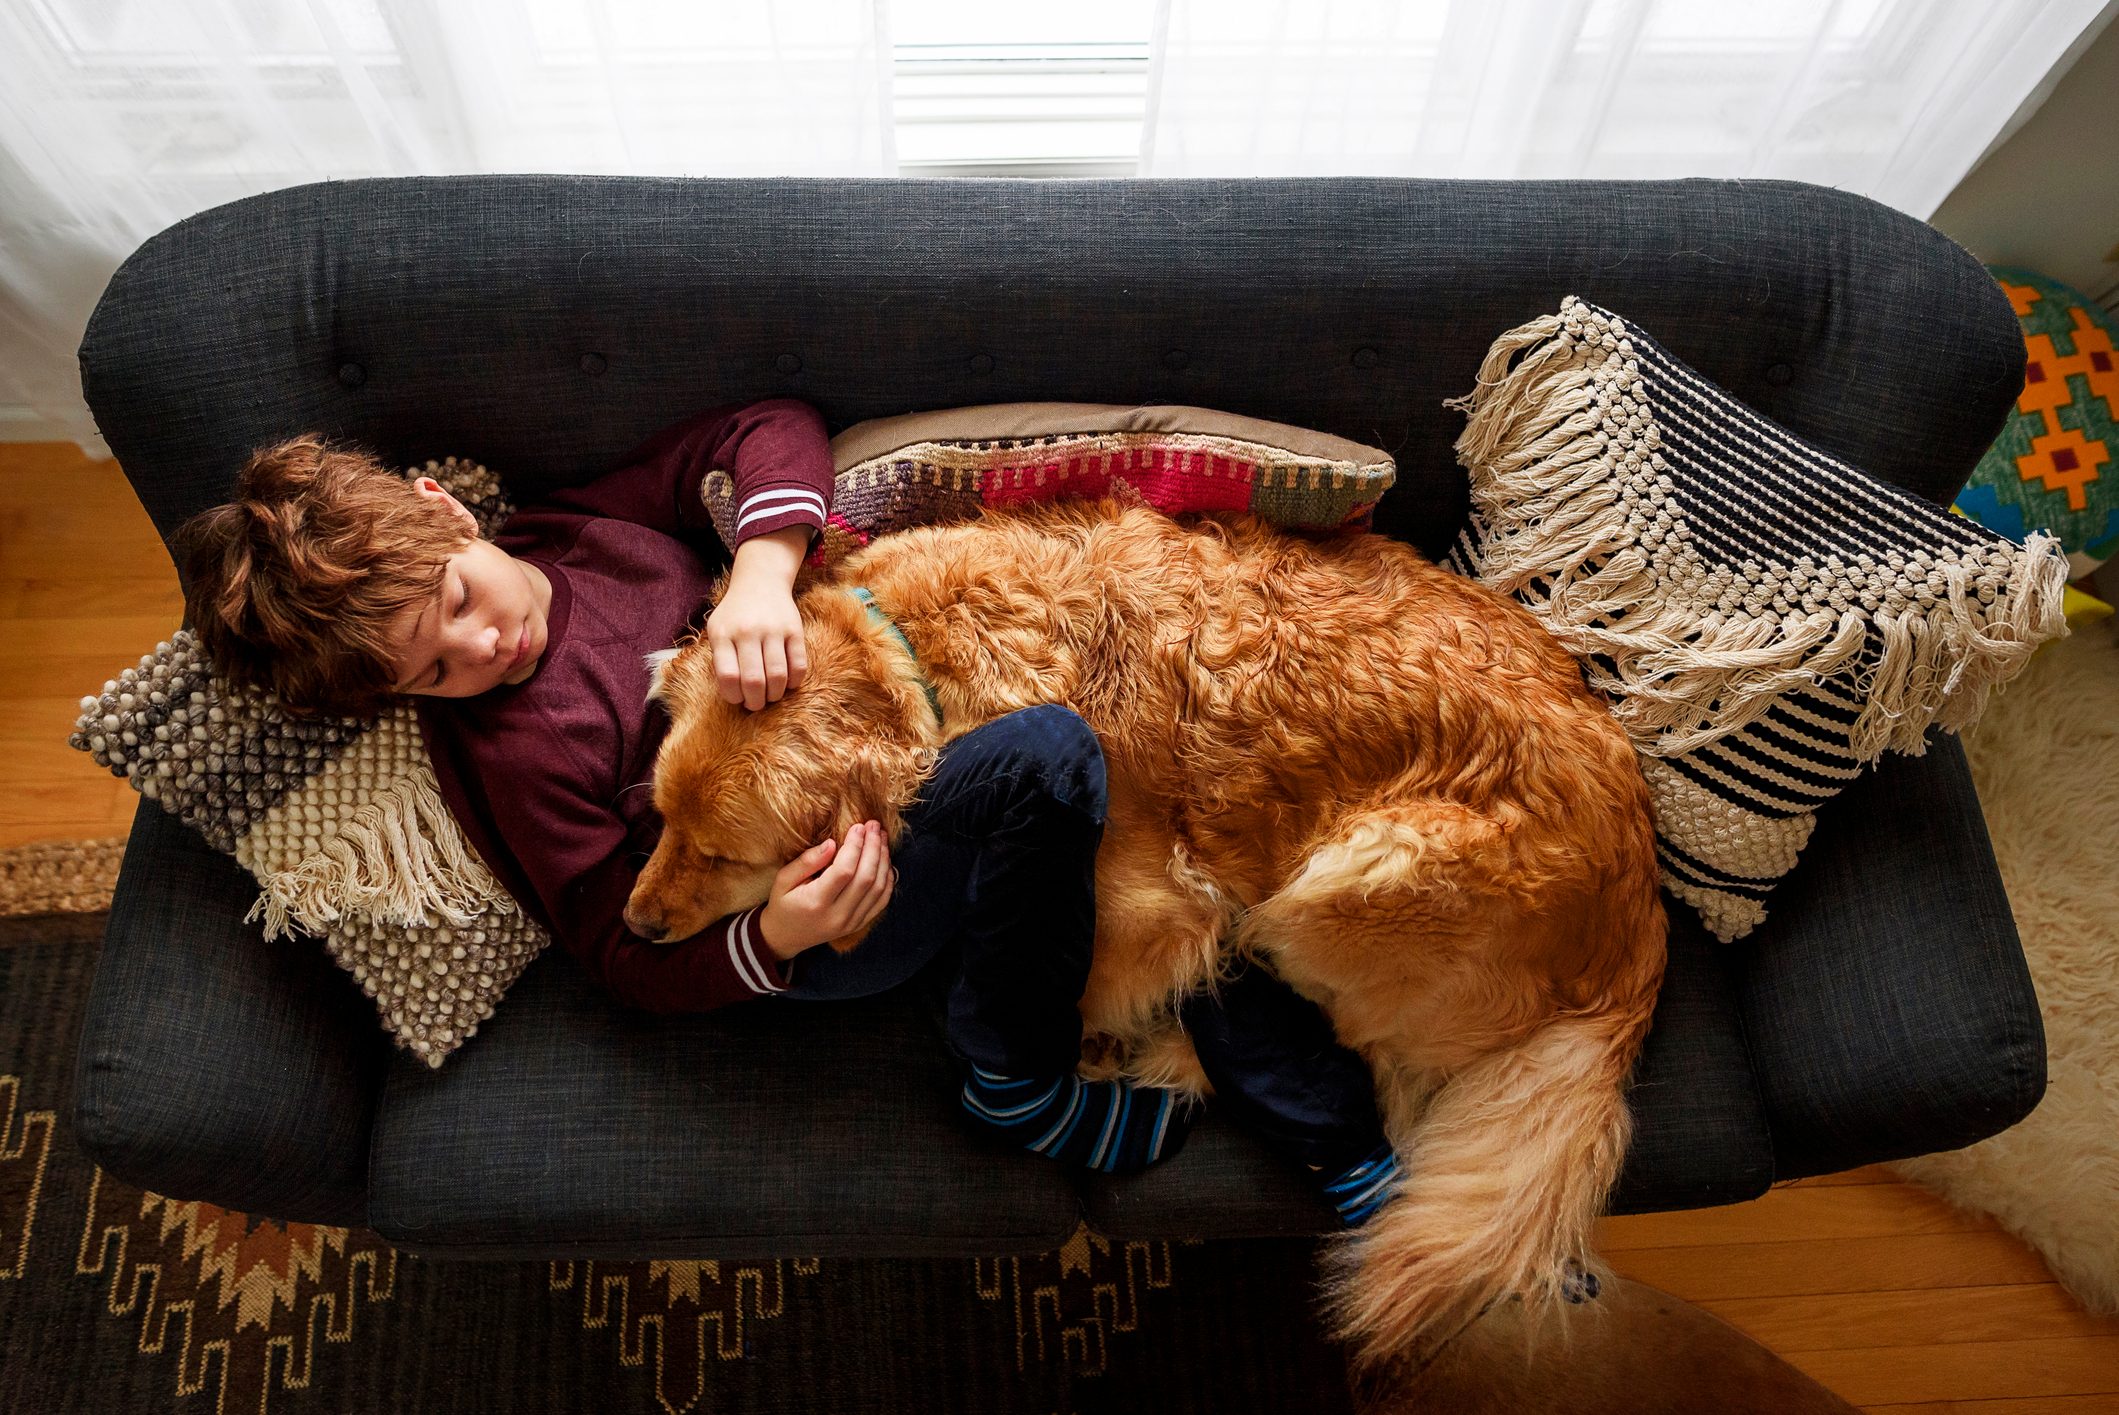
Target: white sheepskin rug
[{"x": 2046, "y": 759}]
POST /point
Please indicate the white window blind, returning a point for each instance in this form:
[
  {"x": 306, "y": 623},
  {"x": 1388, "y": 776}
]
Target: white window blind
[
  {"x": 1021, "y": 110},
  {"x": 984, "y": 90}
]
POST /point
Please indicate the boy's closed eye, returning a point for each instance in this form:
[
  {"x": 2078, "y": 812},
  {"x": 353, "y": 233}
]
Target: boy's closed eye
[
  {"x": 463, "y": 603},
  {"x": 439, "y": 674}
]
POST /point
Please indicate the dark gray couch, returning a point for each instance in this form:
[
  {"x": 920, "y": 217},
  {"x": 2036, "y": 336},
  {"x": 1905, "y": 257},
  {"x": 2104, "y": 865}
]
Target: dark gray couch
[{"x": 546, "y": 324}]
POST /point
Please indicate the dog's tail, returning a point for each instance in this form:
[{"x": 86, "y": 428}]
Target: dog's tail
[{"x": 1506, "y": 1173}]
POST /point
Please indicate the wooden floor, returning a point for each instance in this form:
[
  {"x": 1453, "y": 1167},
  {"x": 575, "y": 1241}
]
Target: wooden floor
[
  {"x": 1874, "y": 1287},
  {"x": 85, "y": 589}
]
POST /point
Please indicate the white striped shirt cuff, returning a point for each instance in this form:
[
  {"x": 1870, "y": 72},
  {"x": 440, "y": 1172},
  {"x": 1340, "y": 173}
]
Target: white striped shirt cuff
[
  {"x": 753, "y": 966},
  {"x": 774, "y": 510}
]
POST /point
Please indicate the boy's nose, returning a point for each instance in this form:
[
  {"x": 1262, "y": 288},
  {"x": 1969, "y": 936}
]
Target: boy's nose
[{"x": 480, "y": 645}]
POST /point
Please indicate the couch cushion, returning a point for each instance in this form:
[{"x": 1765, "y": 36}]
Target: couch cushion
[
  {"x": 578, "y": 1127},
  {"x": 1887, "y": 1001},
  {"x": 214, "y": 1065},
  {"x": 1700, "y": 1132}
]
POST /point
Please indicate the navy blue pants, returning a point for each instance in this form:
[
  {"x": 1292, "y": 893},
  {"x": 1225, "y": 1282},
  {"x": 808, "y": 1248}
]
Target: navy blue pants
[{"x": 996, "y": 907}]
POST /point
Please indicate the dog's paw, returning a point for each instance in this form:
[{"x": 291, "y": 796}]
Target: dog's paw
[
  {"x": 1103, "y": 1056},
  {"x": 1168, "y": 1059}
]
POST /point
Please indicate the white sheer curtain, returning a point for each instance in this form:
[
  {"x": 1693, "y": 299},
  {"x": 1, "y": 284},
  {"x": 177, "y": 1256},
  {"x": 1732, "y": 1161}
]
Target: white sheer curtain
[
  {"x": 1896, "y": 99},
  {"x": 120, "y": 117}
]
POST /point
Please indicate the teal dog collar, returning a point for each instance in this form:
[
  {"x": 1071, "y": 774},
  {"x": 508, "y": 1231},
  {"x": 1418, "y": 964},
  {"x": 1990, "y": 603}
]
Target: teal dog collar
[{"x": 860, "y": 592}]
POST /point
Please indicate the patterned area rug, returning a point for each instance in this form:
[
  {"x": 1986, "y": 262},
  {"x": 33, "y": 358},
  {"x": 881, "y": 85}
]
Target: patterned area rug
[
  {"x": 59, "y": 877},
  {"x": 114, "y": 1299}
]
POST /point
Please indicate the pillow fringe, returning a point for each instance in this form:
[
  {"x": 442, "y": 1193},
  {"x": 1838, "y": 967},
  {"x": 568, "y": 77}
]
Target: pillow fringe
[
  {"x": 400, "y": 858},
  {"x": 1947, "y": 675},
  {"x": 1551, "y": 448}
]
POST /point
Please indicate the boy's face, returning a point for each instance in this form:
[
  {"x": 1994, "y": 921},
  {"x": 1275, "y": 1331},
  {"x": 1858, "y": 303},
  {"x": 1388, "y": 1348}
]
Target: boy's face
[{"x": 485, "y": 627}]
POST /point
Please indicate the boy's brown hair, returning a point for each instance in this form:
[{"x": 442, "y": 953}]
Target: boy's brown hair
[{"x": 294, "y": 584}]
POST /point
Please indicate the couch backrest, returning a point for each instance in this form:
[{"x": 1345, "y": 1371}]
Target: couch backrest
[{"x": 545, "y": 325}]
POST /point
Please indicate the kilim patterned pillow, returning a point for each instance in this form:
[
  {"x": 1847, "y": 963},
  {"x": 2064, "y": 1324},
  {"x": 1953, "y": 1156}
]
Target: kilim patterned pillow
[
  {"x": 339, "y": 819},
  {"x": 924, "y": 469},
  {"x": 1765, "y": 619}
]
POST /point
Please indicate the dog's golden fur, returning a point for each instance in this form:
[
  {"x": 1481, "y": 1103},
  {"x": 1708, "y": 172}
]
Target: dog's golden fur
[{"x": 1381, "y": 779}]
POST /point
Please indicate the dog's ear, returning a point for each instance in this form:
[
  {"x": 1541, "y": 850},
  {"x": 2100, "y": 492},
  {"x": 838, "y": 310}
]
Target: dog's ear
[
  {"x": 658, "y": 669},
  {"x": 670, "y": 677},
  {"x": 716, "y": 590},
  {"x": 881, "y": 778}
]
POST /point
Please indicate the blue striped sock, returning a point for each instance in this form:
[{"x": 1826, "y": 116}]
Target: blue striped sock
[
  {"x": 1360, "y": 1189},
  {"x": 1104, "y": 1125}
]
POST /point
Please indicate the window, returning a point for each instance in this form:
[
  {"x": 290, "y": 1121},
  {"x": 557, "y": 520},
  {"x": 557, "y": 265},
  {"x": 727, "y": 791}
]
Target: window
[{"x": 1034, "y": 91}]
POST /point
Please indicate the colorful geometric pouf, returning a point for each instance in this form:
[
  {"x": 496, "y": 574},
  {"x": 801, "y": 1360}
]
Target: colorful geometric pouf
[{"x": 2055, "y": 467}]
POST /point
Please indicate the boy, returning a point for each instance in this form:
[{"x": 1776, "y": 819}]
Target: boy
[{"x": 337, "y": 585}]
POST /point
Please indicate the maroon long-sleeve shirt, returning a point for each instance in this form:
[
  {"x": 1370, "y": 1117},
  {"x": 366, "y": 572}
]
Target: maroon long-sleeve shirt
[{"x": 550, "y": 777}]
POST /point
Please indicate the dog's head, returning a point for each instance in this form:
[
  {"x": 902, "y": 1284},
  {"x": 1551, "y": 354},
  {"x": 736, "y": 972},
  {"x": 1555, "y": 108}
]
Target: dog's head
[{"x": 741, "y": 793}]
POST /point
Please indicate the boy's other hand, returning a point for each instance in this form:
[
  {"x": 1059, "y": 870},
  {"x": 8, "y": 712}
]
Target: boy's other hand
[
  {"x": 757, "y": 640},
  {"x": 756, "y": 631},
  {"x": 829, "y": 891}
]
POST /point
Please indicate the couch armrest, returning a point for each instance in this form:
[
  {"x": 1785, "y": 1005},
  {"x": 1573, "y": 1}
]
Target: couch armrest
[
  {"x": 1888, "y": 1005},
  {"x": 217, "y": 1066}
]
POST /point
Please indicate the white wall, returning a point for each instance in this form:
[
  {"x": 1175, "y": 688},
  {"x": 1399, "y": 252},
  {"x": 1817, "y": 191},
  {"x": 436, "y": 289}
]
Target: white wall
[{"x": 2048, "y": 197}]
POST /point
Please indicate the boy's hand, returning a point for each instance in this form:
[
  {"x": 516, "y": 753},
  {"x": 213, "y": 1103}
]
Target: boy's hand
[
  {"x": 756, "y": 632},
  {"x": 828, "y": 891}
]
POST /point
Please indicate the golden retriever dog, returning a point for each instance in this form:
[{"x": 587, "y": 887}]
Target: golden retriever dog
[{"x": 1382, "y": 780}]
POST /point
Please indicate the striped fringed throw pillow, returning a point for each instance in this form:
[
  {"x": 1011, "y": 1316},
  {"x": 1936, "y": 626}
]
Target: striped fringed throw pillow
[
  {"x": 339, "y": 819},
  {"x": 1765, "y": 619},
  {"x": 923, "y": 469}
]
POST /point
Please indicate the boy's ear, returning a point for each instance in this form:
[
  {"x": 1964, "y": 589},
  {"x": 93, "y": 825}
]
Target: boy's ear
[{"x": 434, "y": 490}]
